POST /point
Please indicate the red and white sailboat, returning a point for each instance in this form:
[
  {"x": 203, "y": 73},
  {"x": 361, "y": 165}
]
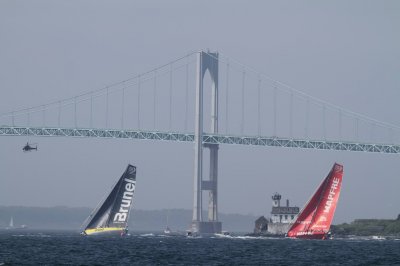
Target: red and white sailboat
[{"x": 316, "y": 217}]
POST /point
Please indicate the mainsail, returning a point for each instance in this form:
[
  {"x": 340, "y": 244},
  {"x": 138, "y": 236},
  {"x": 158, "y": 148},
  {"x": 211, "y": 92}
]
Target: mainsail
[
  {"x": 316, "y": 217},
  {"x": 112, "y": 215}
]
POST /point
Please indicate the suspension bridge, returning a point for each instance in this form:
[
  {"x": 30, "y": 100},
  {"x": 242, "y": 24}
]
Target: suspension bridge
[{"x": 246, "y": 107}]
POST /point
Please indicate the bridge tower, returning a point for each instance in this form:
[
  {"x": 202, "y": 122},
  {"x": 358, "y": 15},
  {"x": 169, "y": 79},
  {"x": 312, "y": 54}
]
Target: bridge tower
[{"x": 206, "y": 61}]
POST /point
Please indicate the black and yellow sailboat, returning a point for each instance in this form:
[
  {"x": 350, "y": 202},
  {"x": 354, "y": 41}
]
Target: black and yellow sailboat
[{"x": 111, "y": 217}]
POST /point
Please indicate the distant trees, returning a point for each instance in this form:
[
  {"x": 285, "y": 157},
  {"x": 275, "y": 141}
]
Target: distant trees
[{"x": 367, "y": 227}]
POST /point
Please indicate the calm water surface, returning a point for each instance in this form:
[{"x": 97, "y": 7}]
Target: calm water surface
[{"x": 69, "y": 248}]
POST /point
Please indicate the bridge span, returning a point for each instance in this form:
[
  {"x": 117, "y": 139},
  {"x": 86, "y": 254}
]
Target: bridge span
[{"x": 207, "y": 138}]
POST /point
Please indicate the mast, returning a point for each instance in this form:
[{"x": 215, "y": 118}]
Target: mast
[{"x": 131, "y": 205}]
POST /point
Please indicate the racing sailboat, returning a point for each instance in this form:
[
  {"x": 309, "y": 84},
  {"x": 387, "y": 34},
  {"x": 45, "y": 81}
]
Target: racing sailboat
[
  {"x": 316, "y": 217},
  {"x": 167, "y": 230},
  {"x": 11, "y": 224},
  {"x": 111, "y": 217}
]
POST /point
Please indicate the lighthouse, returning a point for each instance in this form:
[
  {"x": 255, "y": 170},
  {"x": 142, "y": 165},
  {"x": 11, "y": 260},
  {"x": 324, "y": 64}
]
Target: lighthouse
[{"x": 276, "y": 200}]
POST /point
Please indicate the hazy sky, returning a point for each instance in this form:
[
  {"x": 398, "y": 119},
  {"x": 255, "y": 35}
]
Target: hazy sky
[{"x": 345, "y": 52}]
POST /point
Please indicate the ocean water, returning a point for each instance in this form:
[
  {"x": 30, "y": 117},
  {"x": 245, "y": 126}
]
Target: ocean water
[{"x": 69, "y": 248}]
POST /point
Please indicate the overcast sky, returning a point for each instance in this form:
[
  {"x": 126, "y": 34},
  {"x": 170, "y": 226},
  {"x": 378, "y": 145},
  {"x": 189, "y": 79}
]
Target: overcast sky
[{"x": 344, "y": 52}]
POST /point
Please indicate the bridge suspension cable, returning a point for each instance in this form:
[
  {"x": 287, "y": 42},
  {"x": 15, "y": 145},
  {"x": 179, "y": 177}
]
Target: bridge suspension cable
[
  {"x": 113, "y": 88},
  {"x": 170, "y": 99},
  {"x": 154, "y": 98},
  {"x": 227, "y": 98},
  {"x": 138, "y": 103},
  {"x": 243, "y": 95},
  {"x": 283, "y": 86},
  {"x": 248, "y": 101},
  {"x": 186, "y": 96},
  {"x": 296, "y": 97}
]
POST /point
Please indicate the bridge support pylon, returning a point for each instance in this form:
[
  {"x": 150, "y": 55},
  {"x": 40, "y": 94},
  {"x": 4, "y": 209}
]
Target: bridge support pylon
[{"x": 206, "y": 61}]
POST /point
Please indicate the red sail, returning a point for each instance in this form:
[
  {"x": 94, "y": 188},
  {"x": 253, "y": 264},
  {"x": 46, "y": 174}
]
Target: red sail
[{"x": 316, "y": 217}]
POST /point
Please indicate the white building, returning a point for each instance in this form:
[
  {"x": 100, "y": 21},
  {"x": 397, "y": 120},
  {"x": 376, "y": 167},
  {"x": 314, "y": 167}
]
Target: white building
[{"x": 282, "y": 214}]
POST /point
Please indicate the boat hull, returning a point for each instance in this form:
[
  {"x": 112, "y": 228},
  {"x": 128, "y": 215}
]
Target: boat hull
[
  {"x": 311, "y": 236},
  {"x": 105, "y": 232}
]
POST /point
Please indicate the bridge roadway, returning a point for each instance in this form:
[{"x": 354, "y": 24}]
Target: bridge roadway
[{"x": 207, "y": 138}]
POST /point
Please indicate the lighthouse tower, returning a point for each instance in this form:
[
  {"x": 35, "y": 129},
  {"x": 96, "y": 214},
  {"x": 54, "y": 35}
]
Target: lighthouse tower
[{"x": 276, "y": 200}]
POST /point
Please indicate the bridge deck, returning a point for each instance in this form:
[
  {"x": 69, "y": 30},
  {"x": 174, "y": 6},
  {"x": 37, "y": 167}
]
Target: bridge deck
[{"x": 207, "y": 138}]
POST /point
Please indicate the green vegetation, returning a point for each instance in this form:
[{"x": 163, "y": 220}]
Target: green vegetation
[{"x": 369, "y": 227}]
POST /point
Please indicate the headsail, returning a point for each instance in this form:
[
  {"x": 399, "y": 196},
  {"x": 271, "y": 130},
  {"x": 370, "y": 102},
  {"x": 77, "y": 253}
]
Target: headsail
[
  {"x": 112, "y": 215},
  {"x": 316, "y": 217}
]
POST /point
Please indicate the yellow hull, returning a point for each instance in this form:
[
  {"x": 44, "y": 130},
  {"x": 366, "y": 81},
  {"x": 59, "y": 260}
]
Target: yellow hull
[{"x": 107, "y": 230}]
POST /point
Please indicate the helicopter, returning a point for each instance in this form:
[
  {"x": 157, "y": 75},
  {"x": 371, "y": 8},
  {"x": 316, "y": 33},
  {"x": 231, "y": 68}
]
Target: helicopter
[{"x": 28, "y": 147}]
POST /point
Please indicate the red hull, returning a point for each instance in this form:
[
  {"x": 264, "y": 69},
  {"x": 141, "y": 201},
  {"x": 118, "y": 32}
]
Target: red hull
[{"x": 312, "y": 235}]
